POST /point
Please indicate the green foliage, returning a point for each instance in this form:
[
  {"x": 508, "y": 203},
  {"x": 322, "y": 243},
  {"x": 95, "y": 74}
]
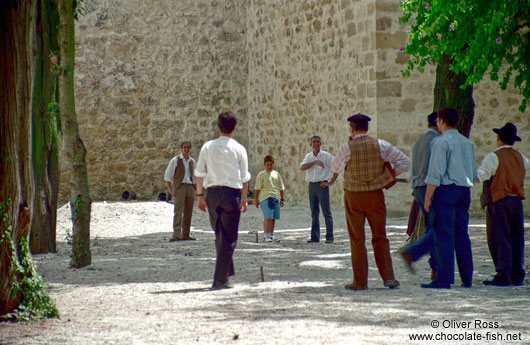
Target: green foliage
[
  {"x": 36, "y": 303},
  {"x": 79, "y": 10},
  {"x": 478, "y": 35}
]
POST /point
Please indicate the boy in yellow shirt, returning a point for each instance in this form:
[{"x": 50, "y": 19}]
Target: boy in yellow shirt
[{"x": 268, "y": 192}]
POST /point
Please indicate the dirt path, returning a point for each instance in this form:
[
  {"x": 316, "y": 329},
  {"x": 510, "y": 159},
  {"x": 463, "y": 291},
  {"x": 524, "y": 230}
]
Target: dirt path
[{"x": 142, "y": 289}]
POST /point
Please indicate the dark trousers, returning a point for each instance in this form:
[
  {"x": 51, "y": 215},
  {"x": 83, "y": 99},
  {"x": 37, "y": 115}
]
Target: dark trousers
[
  {"x": 505, "y": 229},
  {"x": 223, "y": 208},
  {"x": 319, "y": 196},
  {"x": 424, "y": 244},
  {"x": 451, "y": 207}
]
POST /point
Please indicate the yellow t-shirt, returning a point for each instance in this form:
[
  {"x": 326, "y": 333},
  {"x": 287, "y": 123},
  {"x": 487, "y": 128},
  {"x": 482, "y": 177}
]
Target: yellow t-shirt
[{"x": 269, "y": 185}]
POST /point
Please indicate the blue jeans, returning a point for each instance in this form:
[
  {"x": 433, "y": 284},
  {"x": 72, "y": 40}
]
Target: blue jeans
[
  {"x": 425, "y": 244},
  {"x": 451, "y": 206},
  {"x": 320, "y": 196}
]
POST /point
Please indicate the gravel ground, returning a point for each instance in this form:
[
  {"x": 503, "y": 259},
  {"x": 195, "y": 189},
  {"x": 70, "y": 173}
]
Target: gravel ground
[{"x": 142, "y": 289}]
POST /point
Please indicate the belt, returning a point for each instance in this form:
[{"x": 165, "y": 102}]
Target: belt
[{"x": 221, "y": 187}]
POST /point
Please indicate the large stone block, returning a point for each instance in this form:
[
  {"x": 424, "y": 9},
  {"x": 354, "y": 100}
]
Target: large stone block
[{"x": 388, "y": 89}]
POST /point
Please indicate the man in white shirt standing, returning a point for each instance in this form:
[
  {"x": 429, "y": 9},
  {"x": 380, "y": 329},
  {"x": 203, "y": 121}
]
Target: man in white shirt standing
[
  {"x": 180, "y": 181},
  {"x": 222, "y": 169},
  {"x": 317, "y": 167}
]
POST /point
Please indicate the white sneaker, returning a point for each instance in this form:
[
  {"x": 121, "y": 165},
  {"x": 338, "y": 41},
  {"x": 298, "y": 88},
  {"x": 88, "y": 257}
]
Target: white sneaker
[
  {"x": 274, "y": 239},
  {"x": 267, "y": 239}
]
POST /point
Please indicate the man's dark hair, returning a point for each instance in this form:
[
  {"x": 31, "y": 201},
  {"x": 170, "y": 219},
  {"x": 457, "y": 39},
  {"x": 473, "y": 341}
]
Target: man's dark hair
[
  {"x": 507, "y": 141},
  {"x": 226, "y": 121},
  {"x": 449, "y": 115},
  {"x": 431, "y": 118},
  {"x": 359, "y": 126},
  {"x": 315, "y": 136},
  {"x": 185, "y": 142},
  {"x": 268, "y": 158}
]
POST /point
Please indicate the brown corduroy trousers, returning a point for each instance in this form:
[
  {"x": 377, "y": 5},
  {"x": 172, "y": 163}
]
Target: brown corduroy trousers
[{"x": 360, "y": 206}]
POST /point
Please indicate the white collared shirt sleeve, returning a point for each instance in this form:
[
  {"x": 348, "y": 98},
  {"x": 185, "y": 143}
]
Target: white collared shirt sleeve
[
  {"x": 200, "y": 167},
  {"x": 488, "y": 167},
  {"x": 170, "y": 170},
  {"x": 341, "y": 159},
  {"x": 400, "y": 161},
  {"x": 243, "y": 165}
]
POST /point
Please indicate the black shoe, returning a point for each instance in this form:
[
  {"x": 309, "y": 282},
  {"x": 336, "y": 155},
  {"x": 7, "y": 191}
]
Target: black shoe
[
  {"x": 496, "y": 281},
  {"x": 466, "y": 285},
  {"x": 217, "y": 285},
  {"x": 174, "y": 239},
  {"x": 433, "y": 285},
  {"x": 313, "y": 241},
  {"x": 329, "y": 241}
]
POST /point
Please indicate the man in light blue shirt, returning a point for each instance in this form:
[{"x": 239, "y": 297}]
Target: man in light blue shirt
[{"x": 451, "y": 173}]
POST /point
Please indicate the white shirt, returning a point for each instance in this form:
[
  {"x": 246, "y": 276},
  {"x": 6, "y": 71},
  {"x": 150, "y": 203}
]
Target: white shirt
[
  {"x": 170, "y": 170},
  {"x": 223, "y": 162},
  {"x": 316, "y": 173},
  {"x": 490, "y": 163}
]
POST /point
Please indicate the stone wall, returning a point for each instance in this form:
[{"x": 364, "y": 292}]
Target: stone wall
[
  {"x": 150, "y": 77},
  {"x": 310, "y": 64}
]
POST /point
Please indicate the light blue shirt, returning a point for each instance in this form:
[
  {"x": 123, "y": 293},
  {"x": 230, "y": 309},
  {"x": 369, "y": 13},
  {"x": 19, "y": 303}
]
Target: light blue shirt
[{"x": 452, "y": 160}]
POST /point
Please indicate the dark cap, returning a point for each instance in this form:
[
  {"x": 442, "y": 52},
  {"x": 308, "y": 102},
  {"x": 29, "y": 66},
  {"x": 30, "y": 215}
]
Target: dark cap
[
  {"x": 359, "y": 118},
  {"x": 508, "y": 133}
]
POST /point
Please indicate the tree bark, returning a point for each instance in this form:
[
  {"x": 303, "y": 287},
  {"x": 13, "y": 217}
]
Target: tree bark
[
  {"x": 17, "y": 61},
  {"x": 447, "y": 93},
  {"x": 46, "y": 132},
  {"x": 74, "y": 149}
]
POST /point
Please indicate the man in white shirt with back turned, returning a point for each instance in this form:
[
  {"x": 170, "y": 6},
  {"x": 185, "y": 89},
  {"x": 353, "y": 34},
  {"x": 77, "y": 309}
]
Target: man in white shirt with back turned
[
  {"x": 222, "y": 169},
  {"x": 317, "y": 167}
]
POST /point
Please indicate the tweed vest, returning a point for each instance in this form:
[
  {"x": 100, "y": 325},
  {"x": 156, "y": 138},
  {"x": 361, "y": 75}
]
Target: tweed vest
[
  {"x": 508, "y": 179},
  {"x": 366, "y": 170},
  {"x": 180, "y": 170}
]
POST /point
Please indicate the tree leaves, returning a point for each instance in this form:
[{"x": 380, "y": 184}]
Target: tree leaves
[{"x": 479, "y": 35}]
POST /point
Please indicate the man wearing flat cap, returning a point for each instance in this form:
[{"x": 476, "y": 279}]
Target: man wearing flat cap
[
  {"x": 364, "y": 161},
  {"x": 502, "y": 173}
]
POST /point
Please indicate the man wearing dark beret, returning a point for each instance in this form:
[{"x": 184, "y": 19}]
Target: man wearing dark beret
[
  {"x": 502, "y": 173},
  {"x": 420, "y": 154},
  {"x": 364, "y": 161}
]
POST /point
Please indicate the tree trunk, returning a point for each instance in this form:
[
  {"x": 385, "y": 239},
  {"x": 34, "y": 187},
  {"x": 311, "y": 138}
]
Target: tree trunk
[
  {"x": 46, "y": 135},
  {"x": 17, "y": 187},
  {"x": 74, "y": 149},
  {"x": 447, "y": 93}
]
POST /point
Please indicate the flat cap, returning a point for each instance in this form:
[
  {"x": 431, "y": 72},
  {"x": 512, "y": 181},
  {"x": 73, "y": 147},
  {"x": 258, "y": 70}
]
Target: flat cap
[{"x": 359, "y": 118}]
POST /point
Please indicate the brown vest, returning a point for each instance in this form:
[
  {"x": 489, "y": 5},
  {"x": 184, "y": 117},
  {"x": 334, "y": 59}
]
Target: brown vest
[
  {"x": 366, "y": 170},
  {"x": 180, "y": 170},
  {"x": 508, "y": 179}
]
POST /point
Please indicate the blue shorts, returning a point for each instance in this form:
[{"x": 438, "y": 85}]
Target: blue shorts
[{"x": 268, "y": 212}]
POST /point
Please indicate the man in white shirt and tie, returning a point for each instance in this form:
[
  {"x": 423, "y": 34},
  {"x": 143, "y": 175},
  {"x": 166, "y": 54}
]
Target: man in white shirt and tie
[
  {"x": 317, "y": 167},
  {"x": 222, "y": 169}
]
